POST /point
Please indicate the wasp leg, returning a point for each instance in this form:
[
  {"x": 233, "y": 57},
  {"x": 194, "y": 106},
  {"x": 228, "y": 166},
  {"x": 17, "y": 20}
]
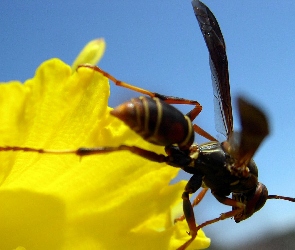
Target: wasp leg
[
  {"x": 168, "y": 99},
  {"x": 192, "y": 115},
  {"x": 26, "y": 149},
  {"x": 47, "y": 151},
  {"x": 189, "y": 215},
  {"x": 203, "y": 133},
  {"x": 239, "y": 207},
  {"x": 192, "y": 186},
  {"x": 228, "y": 201},
  {"x": 152, "y": 156},
  {"x": 196, "y": 201},
  {"x": 200, "y": 197},
  {"x": 223, "y": 216}
]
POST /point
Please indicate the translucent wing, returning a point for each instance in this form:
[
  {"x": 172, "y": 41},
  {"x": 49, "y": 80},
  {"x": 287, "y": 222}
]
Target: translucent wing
[{"x": 219, "y": 67}]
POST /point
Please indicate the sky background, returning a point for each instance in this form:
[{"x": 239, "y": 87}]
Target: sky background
[{"x": 157, "y": 45}]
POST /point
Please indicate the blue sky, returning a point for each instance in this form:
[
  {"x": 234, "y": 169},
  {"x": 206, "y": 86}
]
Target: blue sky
[{"x": 158, "y": 45}]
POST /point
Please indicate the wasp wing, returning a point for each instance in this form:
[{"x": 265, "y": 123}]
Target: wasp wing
[
  {"x": 243, "y": 145},
  {"x": 254, "y": 128},
  {"x": 219, "y": 67}
]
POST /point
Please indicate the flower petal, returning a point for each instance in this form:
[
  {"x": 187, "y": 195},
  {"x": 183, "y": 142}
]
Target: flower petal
[
  {"x": 91, "y": 53},
  {"x": 108, "y": 201}
]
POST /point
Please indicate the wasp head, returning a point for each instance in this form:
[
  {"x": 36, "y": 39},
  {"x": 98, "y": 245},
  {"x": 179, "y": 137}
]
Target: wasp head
[{"x": 253, "y": 200}]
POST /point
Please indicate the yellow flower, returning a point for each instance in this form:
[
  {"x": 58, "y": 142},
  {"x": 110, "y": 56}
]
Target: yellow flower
[
  {"x": 91, "y": 53},
  {"x": 108, "y": 201}
]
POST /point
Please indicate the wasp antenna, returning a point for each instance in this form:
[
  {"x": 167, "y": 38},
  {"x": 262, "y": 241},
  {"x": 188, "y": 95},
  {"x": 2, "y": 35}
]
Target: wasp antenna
[{"x": 278, "y": 197}]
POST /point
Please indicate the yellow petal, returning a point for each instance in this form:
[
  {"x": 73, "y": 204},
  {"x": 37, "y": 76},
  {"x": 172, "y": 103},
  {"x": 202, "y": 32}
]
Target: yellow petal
[
  {"x": 91, "y": 53},
  {"x": 108, "y": 201}
]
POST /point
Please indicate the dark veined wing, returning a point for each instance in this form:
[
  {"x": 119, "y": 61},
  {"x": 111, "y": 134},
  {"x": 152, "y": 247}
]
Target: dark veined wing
[
  {"x": 254, "y": 128},
  {"x": 254, "y": 125},
  {"x": 219, "y": 67}
]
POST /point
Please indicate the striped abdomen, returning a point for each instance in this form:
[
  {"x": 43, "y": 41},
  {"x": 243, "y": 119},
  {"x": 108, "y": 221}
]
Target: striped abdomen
[{"x": 156, "y": 121}]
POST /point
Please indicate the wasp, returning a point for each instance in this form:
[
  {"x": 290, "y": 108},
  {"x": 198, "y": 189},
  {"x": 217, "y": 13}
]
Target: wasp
[{"x": 226, "y": 168}]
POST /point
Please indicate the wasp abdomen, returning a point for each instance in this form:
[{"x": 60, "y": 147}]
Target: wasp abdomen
[{"x": 156, "y": 121}]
